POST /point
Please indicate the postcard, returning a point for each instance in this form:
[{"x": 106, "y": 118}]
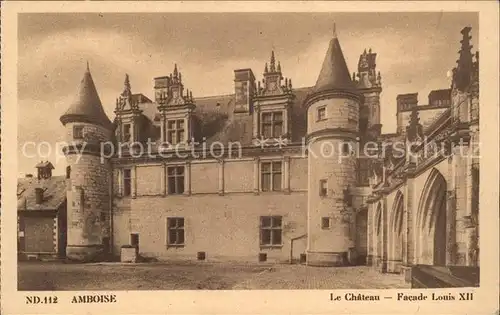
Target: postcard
[{"x": 250, "y": 157}]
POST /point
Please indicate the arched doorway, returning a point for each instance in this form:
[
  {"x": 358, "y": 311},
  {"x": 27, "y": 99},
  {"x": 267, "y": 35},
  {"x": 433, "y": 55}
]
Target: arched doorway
[
  {"x": 396, "y": 232},
  {"x": 431, "y": 222}
]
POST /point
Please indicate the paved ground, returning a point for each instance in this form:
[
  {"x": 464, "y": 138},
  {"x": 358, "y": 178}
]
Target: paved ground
[{"x": 192, "y": 276}]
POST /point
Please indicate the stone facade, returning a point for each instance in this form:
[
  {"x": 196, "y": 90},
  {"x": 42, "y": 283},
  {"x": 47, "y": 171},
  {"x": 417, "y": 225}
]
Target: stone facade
[
  {"x": 425, "y": 208},
  {"x": 297, "y": 186}
]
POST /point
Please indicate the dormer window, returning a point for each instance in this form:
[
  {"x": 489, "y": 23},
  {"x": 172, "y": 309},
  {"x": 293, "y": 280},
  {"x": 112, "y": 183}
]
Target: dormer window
[
  {"x": 272, "y": 125},
  {"x": 77, "y": 132},
  {"x": 175, "y": 131},
  {"x": 127, "y": 134},
  {"x": 271, "y": 105},
  {"x": 321, "y": 115}
]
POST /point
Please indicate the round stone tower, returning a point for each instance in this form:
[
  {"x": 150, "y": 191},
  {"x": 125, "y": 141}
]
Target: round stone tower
[
  {"x": 332, "y": 128},
  {"x": 89, "y": 174}
]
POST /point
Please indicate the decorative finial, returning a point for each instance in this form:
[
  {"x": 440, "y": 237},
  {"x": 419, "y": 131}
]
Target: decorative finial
[
  {"x": 279, "y": 67},
  {"x": 88, "y": 67},
  {"x": 370, "y": 50},
  {"x": 290, "y": 84},
  {"x": 176, "y": 73},
  {"x": 265, "y": 68},
  {"x": 272, "y": 63},
  {"x": 127, "y": 88},
  {"x": 334, "y": 30}
]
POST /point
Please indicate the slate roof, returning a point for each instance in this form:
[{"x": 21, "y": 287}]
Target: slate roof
[
  {"x": 53, "y": 197},
  {"x": 87, "y": 106},
  {"x": 334, "y": 74},
  {"x": 215, "y": 120},
  {"x": 44, "y": 165}
]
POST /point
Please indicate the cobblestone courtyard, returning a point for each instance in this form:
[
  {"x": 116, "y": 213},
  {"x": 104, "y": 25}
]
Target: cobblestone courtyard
[{"x": 204, "y": 276}]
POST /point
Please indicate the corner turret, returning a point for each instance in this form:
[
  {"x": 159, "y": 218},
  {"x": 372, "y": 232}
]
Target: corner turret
[
  {"x": 332, "y": 128},
  {"x": 88, "y": 191}
]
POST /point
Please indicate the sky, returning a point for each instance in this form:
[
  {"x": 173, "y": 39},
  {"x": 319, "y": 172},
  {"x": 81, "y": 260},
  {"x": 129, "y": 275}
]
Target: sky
[{"x": 415, "y": 52}]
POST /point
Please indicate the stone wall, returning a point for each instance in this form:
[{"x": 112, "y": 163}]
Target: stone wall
[
  {"x": 224, "y": 227},
  {"x": 221, "y": 207}
]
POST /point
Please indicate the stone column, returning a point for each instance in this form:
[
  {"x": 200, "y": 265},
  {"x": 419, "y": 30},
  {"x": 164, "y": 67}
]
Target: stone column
[
  {"x": 451, "y": 209},
  {"x": 133, "y": 130},
  {"x": 286, "y": 174},
  {"x": 120, "y": 181},
  {"x": 369, "y": 236},
  {"x": 256, "y": 122},
  {"x": 410, "y": 210},
  {"x": 187, "y": 131},
  {"x": 163, "y": 181},
  {"x": 472, "y": 236},
  {"x": 162, "y": 128},
  {"x": 462, "y": 198},
  {"x": 187, "y": 179},
  {"x": 134, "y": 181},
  {"x": 285, "y": 121},
  {"x": 221, "y": 177},
  {"x": 385, "y": 230},
  {"x": 256, "y": 176}
]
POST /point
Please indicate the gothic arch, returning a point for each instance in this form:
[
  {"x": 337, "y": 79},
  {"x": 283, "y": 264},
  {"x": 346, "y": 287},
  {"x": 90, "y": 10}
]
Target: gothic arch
[
  {"x": 431, "y": 221},
  {"x": 396, "y": 229}
]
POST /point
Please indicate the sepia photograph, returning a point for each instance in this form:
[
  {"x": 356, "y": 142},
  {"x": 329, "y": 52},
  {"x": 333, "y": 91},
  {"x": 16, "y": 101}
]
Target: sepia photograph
[
  {"x": 210, "y": 158},
  {"x": 181, "y": 151}
]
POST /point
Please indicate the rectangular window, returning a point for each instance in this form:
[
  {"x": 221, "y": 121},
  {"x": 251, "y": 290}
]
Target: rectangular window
[
  {"x": 321, "y": 113},
  {"x": 175, "y": 131},
  {"x": 175, "y": 232},
  {"x": 271, "y": 176},
  {"x": 325, "y": 223},
  {"x": 323, "y": 188},
  {"x": 270, "y": 231},
  {"x": 127, "y": 182},
  {"x": 127, "y": 134},
  {"x": 77, "y": 132},
  {"x": 175, "y": 180},
  {"x": 272, "y": 125},
  {"x": 346, "y": 148}
]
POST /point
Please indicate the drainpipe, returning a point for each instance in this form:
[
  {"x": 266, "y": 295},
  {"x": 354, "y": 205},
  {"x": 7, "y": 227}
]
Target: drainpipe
[{"x": 291, "y": 245}]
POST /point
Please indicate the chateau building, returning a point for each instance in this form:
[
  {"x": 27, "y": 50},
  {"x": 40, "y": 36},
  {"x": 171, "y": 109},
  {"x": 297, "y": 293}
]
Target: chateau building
[{"x": 269, "y": 173}]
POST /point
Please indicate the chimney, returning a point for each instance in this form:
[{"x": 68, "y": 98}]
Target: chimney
[
  {"x": 406, "y": 101},
  {"x": 244, "y": 88},
  {"x": 39, "y": 195},
  {"x": 68, "y": 172},
  {"x": 44, "y": 170}
]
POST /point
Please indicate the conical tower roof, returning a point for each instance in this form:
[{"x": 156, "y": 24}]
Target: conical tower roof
[
  {"x": 87, "y": 105},
  {"x": 334, "y": 74}
]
